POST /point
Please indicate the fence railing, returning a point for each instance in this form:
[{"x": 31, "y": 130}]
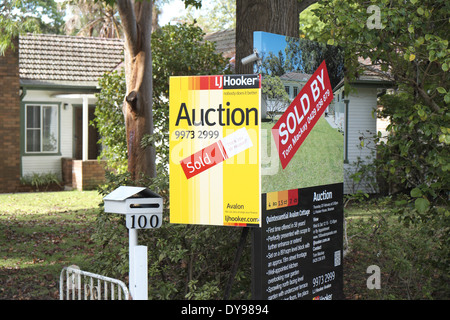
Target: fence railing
[{"x": 75, "y": 284}]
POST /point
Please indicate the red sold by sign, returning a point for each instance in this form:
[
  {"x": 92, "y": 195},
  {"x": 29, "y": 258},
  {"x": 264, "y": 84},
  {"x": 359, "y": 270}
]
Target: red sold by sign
[{"x": 302, "y": 114}]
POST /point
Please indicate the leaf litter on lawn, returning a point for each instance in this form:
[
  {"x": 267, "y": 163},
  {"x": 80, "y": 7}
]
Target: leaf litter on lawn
[{"x": 36, "y": 246}]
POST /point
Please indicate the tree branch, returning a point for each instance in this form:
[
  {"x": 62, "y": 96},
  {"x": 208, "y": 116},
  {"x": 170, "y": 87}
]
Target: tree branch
[
  {"x": 131, "y": 98},
  {"x": 127, "y": 14},
  {"x": 302, "y": 5},
  {"x": 143, "y": 12},
  {"x": 428, "y": 99}
]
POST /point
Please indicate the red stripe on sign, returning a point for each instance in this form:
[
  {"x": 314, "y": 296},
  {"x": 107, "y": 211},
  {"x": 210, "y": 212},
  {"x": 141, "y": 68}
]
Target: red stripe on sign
[
  {"x": 293, "y": 197},
  {"x": 202, "y": 160},
  {"x": 204, "y": 82},
  {"x": 302, "y": 114},
  {"x": 216, "y": 82}
]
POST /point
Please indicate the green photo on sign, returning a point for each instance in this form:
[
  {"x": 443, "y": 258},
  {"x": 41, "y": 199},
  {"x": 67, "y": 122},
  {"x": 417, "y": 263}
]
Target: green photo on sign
[{"x": 286, "y": 65}]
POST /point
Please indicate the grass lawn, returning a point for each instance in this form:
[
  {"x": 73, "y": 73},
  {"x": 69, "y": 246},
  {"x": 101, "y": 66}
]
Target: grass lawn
[
  {"x": 318, "y": 161},
  {"x": 40, "y": 233}
]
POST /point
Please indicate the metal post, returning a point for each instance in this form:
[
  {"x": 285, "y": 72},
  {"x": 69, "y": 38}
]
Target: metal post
[
  {"x": 138, "y": 275},
  {"x": 143, "y": 210},
  {"x": 132, "y": 241},
  {"x": 346, "y": 115},
  {"x": 85, "y": 154},
  {"x": 237, "y": 258}
]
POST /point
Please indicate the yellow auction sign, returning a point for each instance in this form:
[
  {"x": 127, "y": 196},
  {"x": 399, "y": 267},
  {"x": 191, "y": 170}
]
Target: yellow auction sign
[{"x": 215, "y": 150}]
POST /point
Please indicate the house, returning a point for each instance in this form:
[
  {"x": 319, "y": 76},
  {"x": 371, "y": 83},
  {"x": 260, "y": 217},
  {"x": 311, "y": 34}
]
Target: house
[
  {"x": 48, "y": 91},
  {"x": 293, "y": 82}
]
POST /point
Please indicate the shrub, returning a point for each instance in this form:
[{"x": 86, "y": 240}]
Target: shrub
[
  {"x": 412, "y": 261},
  {"x": 41, "y": 180}
]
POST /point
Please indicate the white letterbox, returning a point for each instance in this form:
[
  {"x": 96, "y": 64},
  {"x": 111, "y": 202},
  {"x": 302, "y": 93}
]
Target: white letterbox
[{"x": 142, "y": 207}]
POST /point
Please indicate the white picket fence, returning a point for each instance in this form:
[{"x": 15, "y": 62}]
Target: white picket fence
[{"x": 75, "y": 284}]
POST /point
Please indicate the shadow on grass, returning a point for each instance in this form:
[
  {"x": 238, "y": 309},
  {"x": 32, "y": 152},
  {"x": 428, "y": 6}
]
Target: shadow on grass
[{"x": 35, "y": 248}]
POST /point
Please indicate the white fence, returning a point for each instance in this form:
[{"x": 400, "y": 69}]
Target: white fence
[{"x": 75, "y": 284}]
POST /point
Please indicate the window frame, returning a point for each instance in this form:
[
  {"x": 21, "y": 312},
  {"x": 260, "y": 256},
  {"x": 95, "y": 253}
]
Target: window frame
[
  {"x": 288, "y": 90},
  {"x": 41, "y": 106}
]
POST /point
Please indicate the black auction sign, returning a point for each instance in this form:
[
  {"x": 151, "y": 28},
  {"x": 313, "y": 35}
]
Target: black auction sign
[{"x": 297, "y": 252}]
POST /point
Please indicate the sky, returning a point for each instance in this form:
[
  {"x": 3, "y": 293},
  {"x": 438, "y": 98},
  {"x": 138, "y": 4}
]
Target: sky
[
  {"x": 173, "y": 9},
  {"x": 269, "y": 42}
]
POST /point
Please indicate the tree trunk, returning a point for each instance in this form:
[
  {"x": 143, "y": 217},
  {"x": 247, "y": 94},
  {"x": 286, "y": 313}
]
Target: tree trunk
[
  {"x": 137, "y": 107},
  {"x": 275, "y": 16}
]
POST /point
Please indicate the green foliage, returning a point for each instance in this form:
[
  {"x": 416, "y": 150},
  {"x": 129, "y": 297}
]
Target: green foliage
[
  {"x": 409, "y": 46},
  {"x": 194, "y": 262},
  {"x": 17, "y": 17},
  {"x": 216, "y": 15},
  {"x": 40, "y": 180},
  {"x": 110, "y": 122},
  {"x": 415, "y": 156},
  {"x": 310, "y": 24},
  {"x": 278, "y": 99},
  {"x": 92, "y": 18}
]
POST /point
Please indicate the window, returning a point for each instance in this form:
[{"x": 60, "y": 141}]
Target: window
[
  {"x": 287, "y": 90},
  {"x": 295, "y": 91},
  {"x": 41, "y": 125}
]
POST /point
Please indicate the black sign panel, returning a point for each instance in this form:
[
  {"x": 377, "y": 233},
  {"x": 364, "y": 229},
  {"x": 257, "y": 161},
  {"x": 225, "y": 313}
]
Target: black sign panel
[{"x": 297, "y": 253}]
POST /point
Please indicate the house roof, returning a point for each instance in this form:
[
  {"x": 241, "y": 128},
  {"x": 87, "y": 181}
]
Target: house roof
[
  {"x": 372, "y": 71},
  {"x": 225, "y": 41},
  {"x": 296, "y": 76},
  {"x": 69, "y": 60}
]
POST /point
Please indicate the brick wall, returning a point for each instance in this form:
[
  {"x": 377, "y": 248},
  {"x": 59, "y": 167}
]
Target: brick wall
[
  {"x": 10, "y": 121},
  {"x": 87, "y": 175},
  {"x": 66, "y": 166}
]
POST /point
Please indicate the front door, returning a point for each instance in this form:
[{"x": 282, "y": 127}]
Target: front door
[{"x": 93, "y": 149}]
